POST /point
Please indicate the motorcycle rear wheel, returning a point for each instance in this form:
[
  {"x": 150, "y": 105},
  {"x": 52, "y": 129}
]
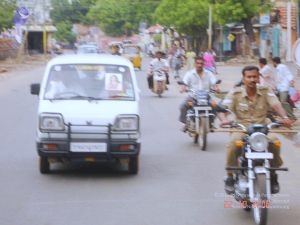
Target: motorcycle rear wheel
[{"x": 260, "y": 207}]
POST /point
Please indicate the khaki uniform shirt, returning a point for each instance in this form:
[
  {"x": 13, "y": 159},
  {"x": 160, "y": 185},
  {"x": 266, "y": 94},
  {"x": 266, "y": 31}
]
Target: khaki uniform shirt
[{"x": 247, "y": 111}]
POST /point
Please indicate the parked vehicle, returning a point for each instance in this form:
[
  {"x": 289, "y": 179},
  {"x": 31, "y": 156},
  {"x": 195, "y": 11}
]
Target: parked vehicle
[
  {"x": 87, "y": 49},
  {"x": 133, "y": 53},
  {"x": 88, "y": 111},
  {"x": 116, "y": 47},
  {"x": 253, "y": 174}
]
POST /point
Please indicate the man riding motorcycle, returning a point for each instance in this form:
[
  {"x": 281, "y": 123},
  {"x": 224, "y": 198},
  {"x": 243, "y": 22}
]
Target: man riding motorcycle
[
  {"x": 158, "y": 63},
  {"x": 196, "y": 79},
  {"x": 250, "y": 104}
]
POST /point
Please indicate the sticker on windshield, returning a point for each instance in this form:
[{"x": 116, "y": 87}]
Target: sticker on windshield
[
  {"x": 121, "y": 69},
  {"x": 113, "y": 82},
  {"x": 57, "y": 68},
  {"x": 90, "y": 67}
]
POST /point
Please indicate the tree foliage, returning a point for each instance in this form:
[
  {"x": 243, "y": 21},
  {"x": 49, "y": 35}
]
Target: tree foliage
[
  {"x": 189, "y": 17},
  {"x": 65, "y": 13},
  {"x": 74, "y": 11},
  {"x": 119, "y": 17},
  {"x": 64, "y": 33},
  {"x": 227, "y": 11},
  {"x": 235, "y": 11},
  {"x": 7, "y": 11},
  {"x": 186, "y": 16}
]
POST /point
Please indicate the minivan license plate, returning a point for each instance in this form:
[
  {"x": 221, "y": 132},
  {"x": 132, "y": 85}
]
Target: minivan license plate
[{"x": 88, "y": 147}]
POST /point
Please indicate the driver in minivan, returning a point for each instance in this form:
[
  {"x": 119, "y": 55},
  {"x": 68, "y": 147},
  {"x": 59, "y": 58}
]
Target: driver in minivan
[{"x": 63, "y": 82}]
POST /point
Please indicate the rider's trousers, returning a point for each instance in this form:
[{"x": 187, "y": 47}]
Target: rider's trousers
[{"x": 233, "y": 153}]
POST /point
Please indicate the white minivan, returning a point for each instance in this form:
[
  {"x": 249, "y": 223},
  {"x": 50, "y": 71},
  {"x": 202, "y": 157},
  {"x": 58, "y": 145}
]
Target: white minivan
[{"x": 88, "y": 111}]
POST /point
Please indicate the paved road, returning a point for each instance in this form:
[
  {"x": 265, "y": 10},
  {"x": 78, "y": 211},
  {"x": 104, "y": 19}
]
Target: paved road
[{"x": 178, "y": 184}]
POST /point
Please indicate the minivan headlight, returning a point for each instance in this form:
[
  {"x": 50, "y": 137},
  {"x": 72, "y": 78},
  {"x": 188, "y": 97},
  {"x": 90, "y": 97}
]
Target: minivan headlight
[
  {"x": 126, "y": 123},
  {"x": 51, "y": 122},
  {"x": 258, "y": 142}
]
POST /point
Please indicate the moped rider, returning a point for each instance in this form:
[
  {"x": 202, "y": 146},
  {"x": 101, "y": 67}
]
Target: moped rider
[
  {"x": 158, "y": 63},
  {"x": 250, "y": 104}
]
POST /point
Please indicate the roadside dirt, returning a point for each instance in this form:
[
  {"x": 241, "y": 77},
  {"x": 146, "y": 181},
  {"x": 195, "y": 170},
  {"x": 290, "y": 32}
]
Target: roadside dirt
[{"x": 9, "y": 66}]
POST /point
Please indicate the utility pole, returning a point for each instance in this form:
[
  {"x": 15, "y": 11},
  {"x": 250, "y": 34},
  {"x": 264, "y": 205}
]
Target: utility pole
[
  {"x": 289, "y": 31},
  {"x": 44, "y": 33},
  {"x": 209, "y": 31}
]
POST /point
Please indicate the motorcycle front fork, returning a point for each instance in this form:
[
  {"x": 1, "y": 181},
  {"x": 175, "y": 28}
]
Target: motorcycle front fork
[{"x": 252, "y": 177}]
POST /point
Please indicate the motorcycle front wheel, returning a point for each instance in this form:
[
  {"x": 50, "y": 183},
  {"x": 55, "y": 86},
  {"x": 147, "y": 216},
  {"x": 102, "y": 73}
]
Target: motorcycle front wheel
[
  {"x": 260, "y": 206},
  {"x": 201, "y": 137}
]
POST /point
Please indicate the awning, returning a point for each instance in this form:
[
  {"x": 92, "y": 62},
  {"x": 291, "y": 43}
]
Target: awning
[{"x": 39, "y": 28}]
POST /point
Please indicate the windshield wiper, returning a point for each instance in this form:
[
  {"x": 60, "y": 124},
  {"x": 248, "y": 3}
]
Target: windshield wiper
[
  {"x": 89, "y": 98},
  {"x": 120, "y": 96},
  {"x": 84, "y": 97}
]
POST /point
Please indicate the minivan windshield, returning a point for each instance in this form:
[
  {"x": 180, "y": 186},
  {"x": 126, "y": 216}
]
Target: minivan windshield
[{"x": 90, "y": 82}]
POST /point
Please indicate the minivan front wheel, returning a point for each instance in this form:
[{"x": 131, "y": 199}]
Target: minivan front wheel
[
  {"x": 133, "y": 165},
  {"x": 44, "y": 165}
]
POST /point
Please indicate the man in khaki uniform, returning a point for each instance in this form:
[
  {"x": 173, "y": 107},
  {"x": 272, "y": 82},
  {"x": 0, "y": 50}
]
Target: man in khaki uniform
[{"x": 250, "y": 104}]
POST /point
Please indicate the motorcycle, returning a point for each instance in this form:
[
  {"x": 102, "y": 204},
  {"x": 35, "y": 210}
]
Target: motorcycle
[
  {"x": 252, "y": 187},
  {"x": 159, "y": 82},
  {"x": 200, "y": 115}
]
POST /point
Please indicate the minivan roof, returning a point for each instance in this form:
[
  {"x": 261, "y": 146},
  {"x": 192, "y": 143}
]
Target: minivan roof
[{"x": 90, "y": 59}]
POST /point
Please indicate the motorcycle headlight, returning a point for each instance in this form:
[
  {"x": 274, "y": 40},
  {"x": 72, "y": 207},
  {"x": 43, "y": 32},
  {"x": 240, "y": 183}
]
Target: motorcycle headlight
[
  {"x": 258, "y": 142},
  {"x": 126, "y": 123},
  {"x": 51, "y": 122}
]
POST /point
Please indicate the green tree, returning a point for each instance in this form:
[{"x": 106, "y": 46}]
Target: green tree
[
  {"x": 119, "y": 17},
  {"x": 189, "y": 17},
  {"x": 64, "y": 13},
  {"x": 7, "y": 11},
  {"x": 74, "y": 11},
  {"x": 243, "y": 11},
  {"x": 64, "y": 33}
]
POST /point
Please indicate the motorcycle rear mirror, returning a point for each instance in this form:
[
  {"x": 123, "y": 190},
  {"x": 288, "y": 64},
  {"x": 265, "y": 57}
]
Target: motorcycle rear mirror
[
  {"x": 219, "y": 81},
  {"x": 180, "y": 82}
]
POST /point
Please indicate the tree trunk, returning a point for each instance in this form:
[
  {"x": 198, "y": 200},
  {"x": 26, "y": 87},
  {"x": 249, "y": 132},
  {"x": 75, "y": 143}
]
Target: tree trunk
[{"x": 249, "y": 31}]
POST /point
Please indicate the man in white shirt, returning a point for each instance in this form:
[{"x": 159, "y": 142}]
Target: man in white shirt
[
  {"x": 284, "y": 79},
  {"x": 267, "y": 74},
  {"x": 196, "y": 79},
  {"x": 158, "y": 63}
]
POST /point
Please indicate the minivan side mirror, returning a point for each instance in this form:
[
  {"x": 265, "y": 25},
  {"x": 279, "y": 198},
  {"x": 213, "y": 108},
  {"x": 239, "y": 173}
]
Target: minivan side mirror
[{"x": 35, "y": 89}]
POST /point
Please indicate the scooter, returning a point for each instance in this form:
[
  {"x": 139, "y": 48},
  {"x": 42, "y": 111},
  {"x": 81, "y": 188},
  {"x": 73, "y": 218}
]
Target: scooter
[{"x": 159, "y": 82}]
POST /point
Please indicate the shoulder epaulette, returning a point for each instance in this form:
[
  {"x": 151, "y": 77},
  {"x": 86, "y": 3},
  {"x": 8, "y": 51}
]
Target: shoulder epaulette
[
  {"x": 236, "y": 90},
  {"x": 261, "y": 87}
]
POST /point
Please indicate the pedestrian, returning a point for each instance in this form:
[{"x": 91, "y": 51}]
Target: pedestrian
[
  {"x": 209, "y": 61},
  {"x": 175, "y": 60},
  {"x": 285, "y": 79},
  {"x": 267, "y": 74},
  {"x": 190, "y": 56}
]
